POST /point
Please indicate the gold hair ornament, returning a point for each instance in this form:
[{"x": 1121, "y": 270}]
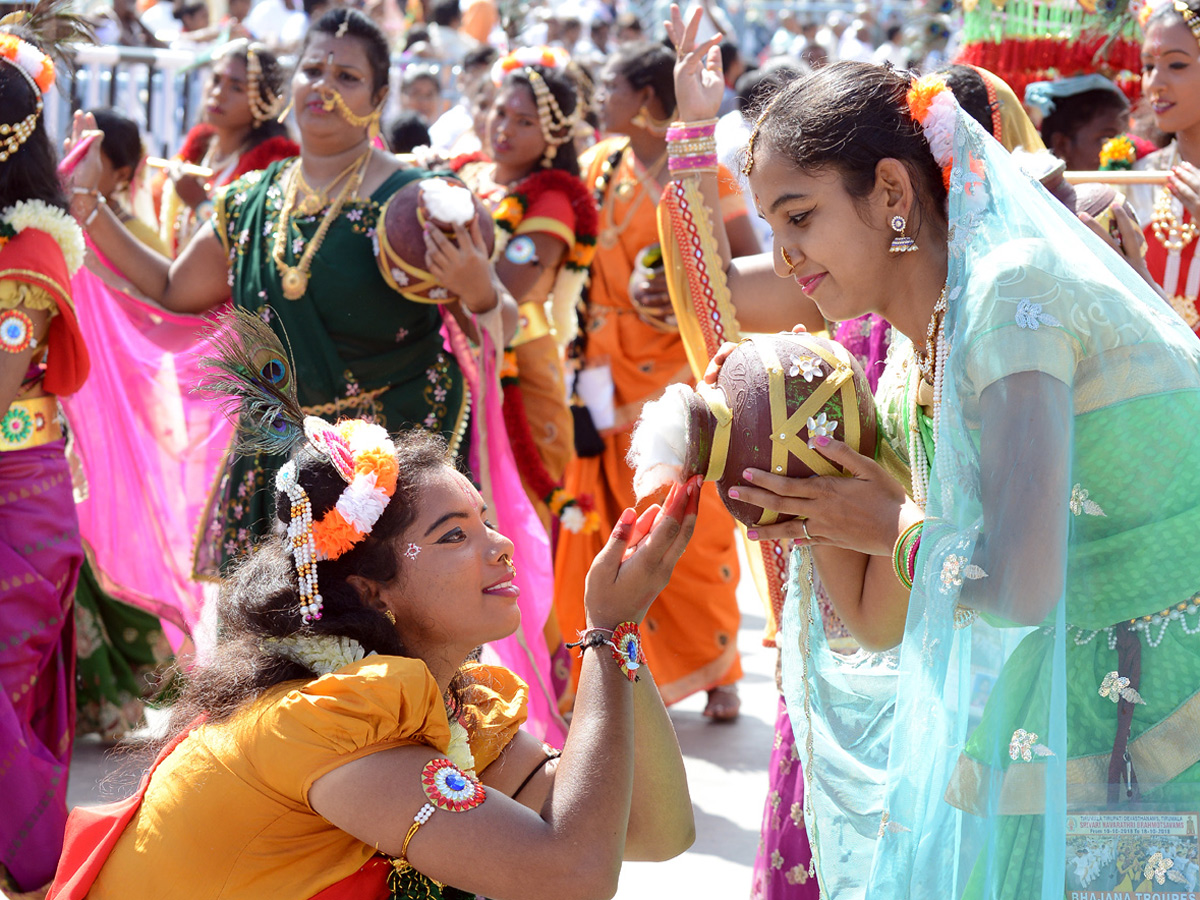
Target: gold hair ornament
[
  {"x": 1190, "y": 18},
  {"x": 749, "y": 163},
  {"x": 265, "y": 104},
  {"x": 551, "y": 117}
]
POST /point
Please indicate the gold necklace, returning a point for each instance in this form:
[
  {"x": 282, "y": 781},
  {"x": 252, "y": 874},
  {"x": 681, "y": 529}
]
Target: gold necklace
[
  {"x": 1171, "y": 233},
  {"x": 294, "y": 279},
  {"x": 313, "y": 200},
  {"x": 625, "y": 187}
]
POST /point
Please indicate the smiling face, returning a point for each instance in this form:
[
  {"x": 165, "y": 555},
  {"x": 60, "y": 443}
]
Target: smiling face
[
  {"x": 226, "y": 102},
  {"x": 514, "y": 131},
  {"x": 1171, "y": 74},
  {"x": 840, "y": 261},
  {"x": 330, "y": 63},
  {"x": 455, "y": 591}
]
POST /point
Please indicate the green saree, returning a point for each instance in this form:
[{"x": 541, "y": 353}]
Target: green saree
[{"x": 360, "y": 349}]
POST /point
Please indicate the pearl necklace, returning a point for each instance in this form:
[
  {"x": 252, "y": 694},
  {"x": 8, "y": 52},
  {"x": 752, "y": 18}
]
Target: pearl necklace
[
  {"x": 932, "y": 363},
  {"x": 1171, "y": 233}
]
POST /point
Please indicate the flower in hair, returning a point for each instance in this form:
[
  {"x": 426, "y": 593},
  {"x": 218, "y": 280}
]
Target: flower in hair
[
  {"x": 933, "y": 106},
  {"x": 547, "y": 57},
  {"x": 322, "y": 653},
  {"x": 36, "y": 64}
]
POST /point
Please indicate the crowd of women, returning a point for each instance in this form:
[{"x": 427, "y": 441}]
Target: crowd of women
[{"x": 381, "y": 576}]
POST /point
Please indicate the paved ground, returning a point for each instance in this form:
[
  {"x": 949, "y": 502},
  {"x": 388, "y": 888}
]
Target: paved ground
[{"x": 727, "y": 773}]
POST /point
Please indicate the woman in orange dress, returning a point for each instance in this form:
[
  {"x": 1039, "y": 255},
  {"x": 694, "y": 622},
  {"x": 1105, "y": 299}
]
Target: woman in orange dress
[
  {"x": 627, "y": 353},
  {"x": 340, "y": 715}
]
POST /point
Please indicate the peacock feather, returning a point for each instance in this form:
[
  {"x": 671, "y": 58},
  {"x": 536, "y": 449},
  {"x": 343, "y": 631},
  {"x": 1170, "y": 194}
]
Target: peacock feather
[
  {"x": 251, "y": 374},
  {"x": 56, "y": 25}
]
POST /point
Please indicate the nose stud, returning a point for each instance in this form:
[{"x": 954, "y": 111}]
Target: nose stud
[{"x": 787, "y": 260}]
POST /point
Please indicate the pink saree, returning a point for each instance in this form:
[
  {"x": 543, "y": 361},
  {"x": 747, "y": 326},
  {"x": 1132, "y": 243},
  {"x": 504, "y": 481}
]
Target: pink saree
[{"x": 149, "y": 448}]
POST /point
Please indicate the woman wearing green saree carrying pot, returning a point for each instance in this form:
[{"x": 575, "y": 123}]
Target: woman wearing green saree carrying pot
[
  {"x": 1035, "y": 572},
  {"x": 296, "y": 244}
]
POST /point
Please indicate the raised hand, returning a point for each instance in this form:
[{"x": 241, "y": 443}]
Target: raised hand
[
  {"x": 699, "y": 79},
  {"x": 638, "y": 559}
]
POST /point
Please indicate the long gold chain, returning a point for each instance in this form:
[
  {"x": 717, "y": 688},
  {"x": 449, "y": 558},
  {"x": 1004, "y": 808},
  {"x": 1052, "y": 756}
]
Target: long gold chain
[{"x": 294, "y": 279}]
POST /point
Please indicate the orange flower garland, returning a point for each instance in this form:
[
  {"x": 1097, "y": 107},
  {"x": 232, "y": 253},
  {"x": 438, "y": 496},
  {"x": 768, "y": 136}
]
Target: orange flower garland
[
  {"x": 366, "y": 496},
  {"x": 36, "y": 64}
]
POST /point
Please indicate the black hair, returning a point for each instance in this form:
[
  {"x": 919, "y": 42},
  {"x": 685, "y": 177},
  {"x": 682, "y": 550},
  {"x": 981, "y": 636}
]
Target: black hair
[
  {"x": 893, "y": 32},
  {"x": 648, "y": 63},
  {"x": 729, "y": 54},
  {"x": 31, "y": 171},
  {"x": 483, "y": 55},
  {"x": 416, "y": 35},
  {"x": 360, "y": 26},
  {"x": 565, "y": 92},
  {"x": 406, "y": 131},
  {"x": 446, "y": 12},
  {"x": 970, "y": 90},
  {"x": 756, "y": 86},
  {"x": 1072, "y": 113},
  {"x": 274, "y": 81},
  {"x": 122, "y": 142},
  {"x": 848, "y": 117},
  {"x": 630, "y": 21},
  {"x": 182, "y": 10},
  {"x": 413, "y": 74},
  {"x": 260, "y": 599}
]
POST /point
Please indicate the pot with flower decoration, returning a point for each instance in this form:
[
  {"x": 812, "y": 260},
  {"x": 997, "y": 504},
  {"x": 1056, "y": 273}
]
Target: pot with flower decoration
[
  {"x": 774, "y": 396},
  {"x": 400, "y": 242}
]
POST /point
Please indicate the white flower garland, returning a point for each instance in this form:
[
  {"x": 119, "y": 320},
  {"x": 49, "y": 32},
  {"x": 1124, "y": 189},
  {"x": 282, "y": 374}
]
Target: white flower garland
[
  {"x": 59, "y": 225},
  {"x": 939, "y": 127},
  {"x": 322, "y": 653}
]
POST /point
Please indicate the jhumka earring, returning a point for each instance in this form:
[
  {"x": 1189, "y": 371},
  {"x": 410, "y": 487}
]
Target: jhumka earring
[{"x": 902, "y": 243}]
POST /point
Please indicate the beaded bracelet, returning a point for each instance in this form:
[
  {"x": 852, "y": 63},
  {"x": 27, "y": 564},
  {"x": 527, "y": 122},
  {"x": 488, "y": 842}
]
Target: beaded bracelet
[
  {"x": 691, "y": 147},
  {"x": 626, "y": 643},
  {"x": 683, "y": 131},
  {"x": 904, "y": 554}
]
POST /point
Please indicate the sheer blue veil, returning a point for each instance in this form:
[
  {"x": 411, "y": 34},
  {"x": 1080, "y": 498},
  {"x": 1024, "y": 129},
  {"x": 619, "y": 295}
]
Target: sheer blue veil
[{"x": 1038, "y": 730}]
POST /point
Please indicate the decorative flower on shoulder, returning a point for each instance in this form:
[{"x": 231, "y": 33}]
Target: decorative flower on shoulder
[
  {"x": 41, "y": 216},
  {"x": 322, "y": 653},
  {"x": 933, "y": 106}
]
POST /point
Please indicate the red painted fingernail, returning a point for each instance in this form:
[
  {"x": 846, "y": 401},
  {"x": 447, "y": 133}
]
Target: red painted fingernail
[
  {"x": 799, "y": 542},
  {"x": 753, "y": 535},
  {"x": 821, "y": 440},
  {"x": 733, "y": 492},
  {"x": 748, "y": 475}
]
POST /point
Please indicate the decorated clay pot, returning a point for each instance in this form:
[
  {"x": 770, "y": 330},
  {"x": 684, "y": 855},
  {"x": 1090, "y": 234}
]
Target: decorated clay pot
[
  {"x": 401, "y": 240},
  {"x": 774, "y": 394}
]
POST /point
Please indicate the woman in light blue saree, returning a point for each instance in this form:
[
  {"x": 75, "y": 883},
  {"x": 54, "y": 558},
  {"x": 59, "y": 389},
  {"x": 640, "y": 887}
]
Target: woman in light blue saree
[{"x": 1017, "y": 560}]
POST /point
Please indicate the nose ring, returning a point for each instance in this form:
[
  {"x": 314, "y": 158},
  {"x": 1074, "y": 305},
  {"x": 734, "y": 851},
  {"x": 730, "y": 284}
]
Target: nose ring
[
  {"x": 787, "y": 260},
  {"x": 508, "y": 563}
]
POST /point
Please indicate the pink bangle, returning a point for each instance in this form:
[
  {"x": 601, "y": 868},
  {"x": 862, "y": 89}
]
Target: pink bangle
[
  {"x": 911, "y": 562},
  {"x": 684, "y": 131},
  {"x": 689, "y": 163}
]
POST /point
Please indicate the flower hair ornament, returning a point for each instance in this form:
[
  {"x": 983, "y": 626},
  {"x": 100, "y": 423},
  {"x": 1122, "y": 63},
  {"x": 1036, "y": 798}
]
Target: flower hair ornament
[
  {"x": 524, "y": 57},
  {"x": 933, "y": 106},
  {"x": 253, "y": 374},
  {"x": 38, "y": 70},
  {"x": 557, "y": 127},
  {"x": 54, "y": 24}
]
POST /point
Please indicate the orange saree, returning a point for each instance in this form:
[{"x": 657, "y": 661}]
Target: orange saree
[{"x": 690, "y": 633}]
